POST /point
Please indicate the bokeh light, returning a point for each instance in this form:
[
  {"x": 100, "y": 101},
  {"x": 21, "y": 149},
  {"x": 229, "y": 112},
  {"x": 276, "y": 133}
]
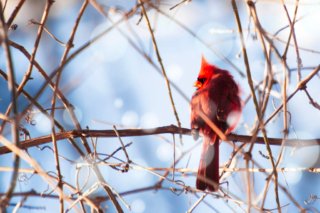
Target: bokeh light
[
  {"x": 138, "y": 206},
  {"x": 164, "y": 152},
  {"x": 67, "y": 117},
  {"x": 111, "y": 47},
  {"x": 149, "y": 120},
  {"x": 118, "y": 103},
  {"x": 42, "y": 123},
  {"x": 130, "y": 118}
]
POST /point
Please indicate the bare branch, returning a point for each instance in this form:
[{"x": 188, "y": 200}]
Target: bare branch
[{"x": 154, "y": 131}]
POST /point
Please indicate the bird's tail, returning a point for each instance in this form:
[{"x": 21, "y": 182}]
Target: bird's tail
[{"x": 208, "y": 171}]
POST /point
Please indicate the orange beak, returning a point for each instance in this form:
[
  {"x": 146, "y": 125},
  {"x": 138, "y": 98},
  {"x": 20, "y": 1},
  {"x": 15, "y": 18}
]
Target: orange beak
[{"x": 197, "y": 84}]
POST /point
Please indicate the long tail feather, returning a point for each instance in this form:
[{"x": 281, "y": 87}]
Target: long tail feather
[{"x": 208, "y": 172}]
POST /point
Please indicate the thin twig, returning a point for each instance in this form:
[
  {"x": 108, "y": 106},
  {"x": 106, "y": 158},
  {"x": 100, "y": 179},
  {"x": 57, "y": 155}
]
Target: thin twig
[
  {"x": 50, "y": 34},
  {"x": 70, "y": 110},
  {"x": 69, "y": 45},
  {"x": 239, "y": 169},
  {"x": 14, "y": 100},
  {"x": 27, "y": 75},
  {"x": 179, "y": 3},
  {"x": 15, "y": 12},
  {"x": 250, "y": 82},
  {"x": 44, "y": 112},
  {"x": 155, "y": 46},
  {"x": 206, "y": 44},
  {"x": 254, "y": 15},
  {"x": 44, "y": 18},
  {"x": 300, "y": 86},
  {"x": 121, "y": 142},
  {"x": 311, "y": 101},
  {"x": 42, "y": 173},
  {"x": 196, "y": 203},
  {"x": 42, "y": 88},
  {"x": 293, "y": 34}
]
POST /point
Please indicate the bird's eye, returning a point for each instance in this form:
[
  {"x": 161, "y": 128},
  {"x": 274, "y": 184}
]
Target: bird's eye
[{"x": 202, "y": 80}]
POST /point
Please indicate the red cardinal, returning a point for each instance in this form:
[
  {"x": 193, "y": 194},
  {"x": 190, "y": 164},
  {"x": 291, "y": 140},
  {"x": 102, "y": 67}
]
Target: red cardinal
[{"x": 217, "y": 97}]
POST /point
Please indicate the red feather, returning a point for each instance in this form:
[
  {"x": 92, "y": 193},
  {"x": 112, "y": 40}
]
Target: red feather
[{"x": 217, "y": 97}]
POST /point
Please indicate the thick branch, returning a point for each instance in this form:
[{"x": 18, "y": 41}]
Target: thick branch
[{"x": 144, "y": 132}]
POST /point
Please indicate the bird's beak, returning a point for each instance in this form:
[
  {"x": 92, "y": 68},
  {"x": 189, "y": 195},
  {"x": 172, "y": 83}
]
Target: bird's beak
[{"x": 197, "y": 84}]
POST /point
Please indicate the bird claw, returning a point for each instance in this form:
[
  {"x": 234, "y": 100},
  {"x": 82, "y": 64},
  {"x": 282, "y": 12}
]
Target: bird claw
[
  {"x": 195, "y": 134},
  {"x": 220, "y": 114}
]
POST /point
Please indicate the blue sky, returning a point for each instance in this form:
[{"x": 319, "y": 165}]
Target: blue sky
[{"x": 110, "y": 83}]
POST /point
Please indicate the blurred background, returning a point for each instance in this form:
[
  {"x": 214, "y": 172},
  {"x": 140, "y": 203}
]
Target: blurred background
[{"x": 112, "y": 83}]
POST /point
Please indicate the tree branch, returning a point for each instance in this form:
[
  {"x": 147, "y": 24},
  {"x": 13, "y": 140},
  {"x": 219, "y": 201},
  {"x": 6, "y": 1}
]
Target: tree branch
[{"x": 172, "y": 129}]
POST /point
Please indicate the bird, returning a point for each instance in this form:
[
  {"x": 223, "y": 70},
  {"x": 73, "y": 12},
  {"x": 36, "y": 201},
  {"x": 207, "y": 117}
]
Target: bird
[{"x": 217, "y": 97}]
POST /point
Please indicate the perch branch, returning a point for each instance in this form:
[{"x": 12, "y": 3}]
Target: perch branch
[{"x": 145, "y": 132}]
